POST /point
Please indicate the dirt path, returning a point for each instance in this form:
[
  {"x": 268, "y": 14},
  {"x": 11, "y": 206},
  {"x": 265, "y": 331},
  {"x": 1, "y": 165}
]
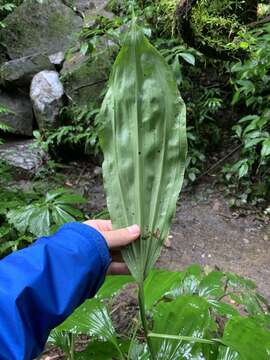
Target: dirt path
[{"x": 206, "y": 231}]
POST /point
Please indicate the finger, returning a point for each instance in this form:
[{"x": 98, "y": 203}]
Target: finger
[
  {"x": 117, "y": 268},
  {"x": 121, "y": 237},
  {"x": 106, "y": 224},
  {"x": 100, "y": 225}
]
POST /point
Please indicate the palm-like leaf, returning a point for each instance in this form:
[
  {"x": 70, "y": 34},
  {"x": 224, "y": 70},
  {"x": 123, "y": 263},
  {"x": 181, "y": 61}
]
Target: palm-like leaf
[{"x": 100, "y": 324}]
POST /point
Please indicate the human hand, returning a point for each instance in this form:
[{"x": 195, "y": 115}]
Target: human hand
[{"x": 116, "y": 240}]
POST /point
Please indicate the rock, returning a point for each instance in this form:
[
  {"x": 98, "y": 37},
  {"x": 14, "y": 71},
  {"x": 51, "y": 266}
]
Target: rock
[
  {"x": 84, "y": 77},
  {"x": 98, "y": 171},
  {"x": 83, "y": 5},
  {"x": 3, "y": 56},
  {"x": 23, "y": 70},
  {"x": 90, "y": 17},
  {"x": 57, "y": 58},
  {"x": 47, "y": 97},
  {"x": 23, "y": 155},
  {"x": 20, "y": 119},
  {"x": 46, "y": 27}
]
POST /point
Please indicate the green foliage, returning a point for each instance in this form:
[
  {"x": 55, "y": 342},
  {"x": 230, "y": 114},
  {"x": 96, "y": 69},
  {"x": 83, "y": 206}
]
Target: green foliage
[
  {"x": 174, "y": 53},
  {"x": 6, "y": 7},
  {"x": 249, "y": 176},
  {"x": 215, "y": 25},
  {"x": 10, "y": 239},
  {"x": 46, "y": 214},
  {"x": 79, "y": 131},
  {"x": 161, "y": 15},
  {"x": 204, "y": 131},
  {"x": 207, "y": 315},
  {"x": 27, "y": 215},
  {"x": 90, "y": 35},
  {"x": 177, "y": 318},
  {"x": 244, "y": 336},
  {"x": 203, "y": 103},
  {"x": 4, "y": 127},
  {"x": 218, "y": 18}
]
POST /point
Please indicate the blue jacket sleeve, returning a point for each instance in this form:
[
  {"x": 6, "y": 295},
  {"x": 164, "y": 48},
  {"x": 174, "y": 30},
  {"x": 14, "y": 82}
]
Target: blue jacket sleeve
[{"x": 41, "y": 285}]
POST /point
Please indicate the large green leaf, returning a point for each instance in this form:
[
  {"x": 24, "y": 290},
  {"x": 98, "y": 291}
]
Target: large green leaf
[
  {"x": 19, "y": 218},
  {"x": 226, "y": 353},
  {"x": 100, "y": 324},
  {"x": 39, "y": 222},
  {"x": 190, "y": 281},
  {"x": 34, "y": 218},
  {"x": 144, "y": 145},
  {"x": 97, "y": 350},
  {"x": 91, "y": 318},
  {"x": 186, "y": 316},
  {"x": 249, "y": 337},
  {"x": 212, "y": 285},
  {"x": 223, "y": 308},
  {"x": 60, "y": 216},
  {"x": 112, "y": 285},
  {"x": 78, "y": 322},
  {"x": 62, "y": 340},
  {"x": 68, "y": 198},
  {"x": 158, "y": 283},
  {"x": 243, "y": 291},
  {"x": 138, "y": 351}
]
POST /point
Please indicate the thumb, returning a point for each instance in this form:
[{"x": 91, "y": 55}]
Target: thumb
[{"x": 121, "y": 237}]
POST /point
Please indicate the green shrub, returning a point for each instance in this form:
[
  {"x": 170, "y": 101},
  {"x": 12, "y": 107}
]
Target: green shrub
[
  {"x": 78, "y": 132},
  {"x": 26, "y": 215},
  {"x": 6, "y": 7},
  {"x": 249, "y": 176},
  {"x": 3, "y": 127},
  {"x": 211, "y": 315}
]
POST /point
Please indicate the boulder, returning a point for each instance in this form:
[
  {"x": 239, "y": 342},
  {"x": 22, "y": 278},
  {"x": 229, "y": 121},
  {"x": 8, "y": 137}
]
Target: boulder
[
  {"x": 83, "y": 5},
  {"x": 57, "y": 58},
  {"x": 84, "y": 77},
  {"x": 47, "y": 97},
  {"x": 23, "y": 156},
  {"x": 3, "y": 56},
  {"x": 21, "y": 71},
  {"x": 20, "y": 118},
  {"x": 90, "y": 16},
  {"x": 46, "y": 27}
]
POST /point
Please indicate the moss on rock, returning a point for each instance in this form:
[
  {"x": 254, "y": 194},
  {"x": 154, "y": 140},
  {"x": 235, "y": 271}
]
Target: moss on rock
[
  {"x": 36, "y": 27},
  {"x": 84, "y": 76}
]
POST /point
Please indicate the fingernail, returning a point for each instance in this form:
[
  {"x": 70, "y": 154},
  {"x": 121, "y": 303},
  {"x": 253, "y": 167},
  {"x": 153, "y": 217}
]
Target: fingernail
[{"x": 134, "y": 229}]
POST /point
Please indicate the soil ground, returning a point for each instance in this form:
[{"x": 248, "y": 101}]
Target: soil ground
[{"x": 207, "y": 232}]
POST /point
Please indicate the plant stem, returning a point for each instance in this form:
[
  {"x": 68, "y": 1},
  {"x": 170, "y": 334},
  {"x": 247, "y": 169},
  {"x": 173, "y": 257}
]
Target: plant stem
[
  {"x": 144, "y": 320},
  {"x": 182, "y": 338},
  {"x": 71, "y": 346},
  {"x": 136, "y": 327},
  {"x": 119, "y": 350}
]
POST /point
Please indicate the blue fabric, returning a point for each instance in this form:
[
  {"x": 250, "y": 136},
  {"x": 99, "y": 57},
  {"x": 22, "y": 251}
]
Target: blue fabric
[{"x": 41, "y": 285}]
